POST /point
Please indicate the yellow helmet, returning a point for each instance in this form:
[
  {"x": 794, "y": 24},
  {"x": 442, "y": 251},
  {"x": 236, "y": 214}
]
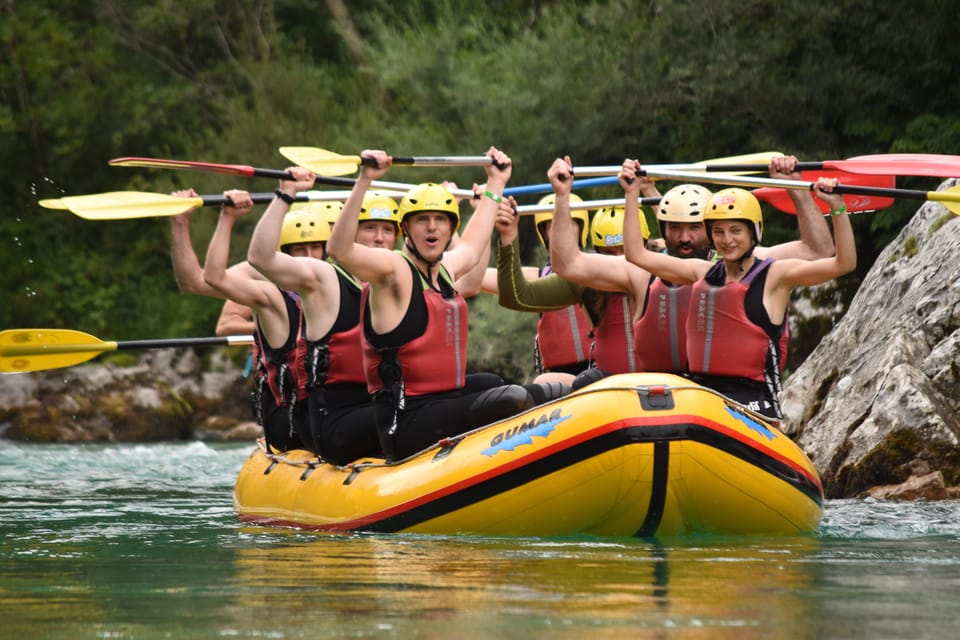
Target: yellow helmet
[
  {"x": 330, "y": 210},
  {"x": 735, "y": 204},
  {"x": 377, "y": 206},
  {"x": 304, "y": 222},
  {"x": 607, "y": 227},
  {"x": 683, "y": 203},
  {"x": 580, "y": 215},
  {"x": 430, "y": 196}
]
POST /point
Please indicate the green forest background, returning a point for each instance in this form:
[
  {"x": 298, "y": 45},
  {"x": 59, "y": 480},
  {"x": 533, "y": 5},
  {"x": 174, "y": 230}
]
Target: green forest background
[{"x": 232, "y": 81}]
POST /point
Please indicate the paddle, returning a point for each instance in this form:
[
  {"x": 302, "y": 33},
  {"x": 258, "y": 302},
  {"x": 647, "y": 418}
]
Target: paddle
[
  {"x": 745, "y": 163},
  {"x": 53, "y": 203},
  {"x": 243, "y": 170},
  {"x": 323, "y": 162},
  {"x": 780, "y": 199},
  {"x": 127, "y": 205},
  {"x": 23, "y": 350},
  {"x": 895, "y": 164},
  {"x": 760, "y": 157},
  {"x": 949, "y": 198},
  {"x": 529, "y": 209}
]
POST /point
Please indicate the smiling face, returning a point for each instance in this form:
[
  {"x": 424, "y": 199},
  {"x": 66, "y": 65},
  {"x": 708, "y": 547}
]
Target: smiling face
[
  {"x": 731, "y": 238},
  {"x": 430, "y": 232},
  {"x": 377, "y": 233}
]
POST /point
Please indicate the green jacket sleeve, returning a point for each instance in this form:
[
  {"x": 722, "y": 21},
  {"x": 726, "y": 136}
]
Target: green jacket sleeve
[{"x": 544, "y": 294}]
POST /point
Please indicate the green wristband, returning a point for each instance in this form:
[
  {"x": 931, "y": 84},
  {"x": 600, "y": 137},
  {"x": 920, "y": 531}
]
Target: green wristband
[
  {"x": 493, "y": 196},
  {"x": 839, "y": 212}
]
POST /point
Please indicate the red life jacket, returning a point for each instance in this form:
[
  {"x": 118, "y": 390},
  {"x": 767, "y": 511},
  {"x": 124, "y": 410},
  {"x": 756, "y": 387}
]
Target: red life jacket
[
  {"x": 613, "y": 337},
  {"x": 338, "y": 356},
  {"x": 660, "y": 335},
  {"x": 436, "y": 360},
  {"x": 563, "y": 336},
  {"x": 283, "y": 370},
  {"x": 721, "y": 339}
]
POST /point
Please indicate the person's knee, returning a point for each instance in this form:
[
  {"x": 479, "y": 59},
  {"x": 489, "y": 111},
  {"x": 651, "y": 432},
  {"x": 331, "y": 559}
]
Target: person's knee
[
  {"x": 510, "y": 396},
  {"x": 588, "y": 377},
  {"x": 547, "y": 391}
]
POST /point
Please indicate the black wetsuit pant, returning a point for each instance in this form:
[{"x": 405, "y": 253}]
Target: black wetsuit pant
[
  {"x": 427, "y": 419},
  {"x": 342, "y": 423},
  {"x": 282, "y": 431}
]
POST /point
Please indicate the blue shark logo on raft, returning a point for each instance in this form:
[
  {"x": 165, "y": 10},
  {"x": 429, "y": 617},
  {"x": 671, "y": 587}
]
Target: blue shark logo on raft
[
  {"x": 523, "y": 434},
  {"x": 753, "y": 424}
]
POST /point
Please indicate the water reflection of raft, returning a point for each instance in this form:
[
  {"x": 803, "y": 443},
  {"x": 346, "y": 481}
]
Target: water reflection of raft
[{"x": 632, "y": 455}]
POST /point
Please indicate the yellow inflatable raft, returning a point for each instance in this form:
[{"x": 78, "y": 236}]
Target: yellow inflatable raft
[{"x": 632, "y": 455}]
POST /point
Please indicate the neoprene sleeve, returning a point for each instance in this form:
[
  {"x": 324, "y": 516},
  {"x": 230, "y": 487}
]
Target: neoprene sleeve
[{"x": 544, "y": 294}]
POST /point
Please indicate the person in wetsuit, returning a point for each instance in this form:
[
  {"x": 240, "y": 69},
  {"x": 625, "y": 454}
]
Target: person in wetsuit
[
  {"x": 280, "y": 376},
  {"x": 738, "y": 304},
  {"x": 415, "y": 323},
  {"x": 341, "y": 424}
]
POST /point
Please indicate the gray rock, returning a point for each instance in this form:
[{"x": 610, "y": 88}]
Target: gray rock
[{"x": 881, "y": 389}]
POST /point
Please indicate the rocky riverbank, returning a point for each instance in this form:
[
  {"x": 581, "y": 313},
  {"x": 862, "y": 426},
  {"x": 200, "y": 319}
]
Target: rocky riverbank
[
  {"x": 876, "y": 405},
  {"x": 168, "y": 394}
]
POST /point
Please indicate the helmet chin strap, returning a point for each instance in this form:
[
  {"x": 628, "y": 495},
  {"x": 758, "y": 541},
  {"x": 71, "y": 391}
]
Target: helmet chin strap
[{"x": 413, "y": 249}]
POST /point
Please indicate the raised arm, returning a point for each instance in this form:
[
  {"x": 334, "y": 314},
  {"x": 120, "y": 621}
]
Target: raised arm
[
  {"x": 815, "y": 239},
  {"x": 481, "y": 277},
  {"x": 371, "y": 264},
  {"x": 476, "y": 235},
  {"x": 241, "y": 289},
  {"x": 186, "y": 266},
  {"x": 669, "y": 268},
  {"x": 607, "y": 273},
  {"x": 283, "y": 270},
  {"x": 812, "y": 272}
]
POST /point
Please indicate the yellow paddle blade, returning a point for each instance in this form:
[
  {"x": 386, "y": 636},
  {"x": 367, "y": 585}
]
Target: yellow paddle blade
[
  {"x": 950, "y": 198},
  {"x": 124, "y": 205},
  {"x": 53, "y": 203},
  {"x": 321, "y": 161},
  {"x": 23, "y": 350},
  {"x": 762, "y": 157}
]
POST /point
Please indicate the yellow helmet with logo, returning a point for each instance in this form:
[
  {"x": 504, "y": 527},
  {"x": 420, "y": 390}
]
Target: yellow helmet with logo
[
  {"x": 430, "y": 196},
  {"x": 735, "y": 204},
  {"x": 580, "y": 215},
  {"x": 305, "y": 222},
  {"x": 607, "y": 227},
  {"x": 377, "y": 206},
  {"x": 683, "y": 203}
]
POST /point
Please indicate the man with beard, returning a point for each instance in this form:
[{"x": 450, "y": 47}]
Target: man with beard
[{"x": 660, "y": 328}]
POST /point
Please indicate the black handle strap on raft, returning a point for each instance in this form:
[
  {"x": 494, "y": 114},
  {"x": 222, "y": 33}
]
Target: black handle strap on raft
[{"x": 656, "y": 398}]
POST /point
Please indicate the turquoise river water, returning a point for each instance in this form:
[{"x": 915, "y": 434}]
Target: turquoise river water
[{"x": 141, "y": 541}]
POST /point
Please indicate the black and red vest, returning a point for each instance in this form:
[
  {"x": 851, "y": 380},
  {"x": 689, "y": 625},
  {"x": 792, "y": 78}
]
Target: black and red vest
[
  {"x": 283, "y": 370},
  {"x": 721, "y": 339},
  {"x": 436, "y": 360},
  {"x": 337, "y": 357}
]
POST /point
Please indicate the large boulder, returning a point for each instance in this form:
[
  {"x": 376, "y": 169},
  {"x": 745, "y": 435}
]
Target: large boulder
[{"x": 880, "y": 395}]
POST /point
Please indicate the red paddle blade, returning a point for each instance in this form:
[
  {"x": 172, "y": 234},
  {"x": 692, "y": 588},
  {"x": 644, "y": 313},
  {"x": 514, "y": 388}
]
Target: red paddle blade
[
  {"x": 780, "y": 199},
  {"x": 934, "y": 165},
  {"x": 206, "y": 167}
]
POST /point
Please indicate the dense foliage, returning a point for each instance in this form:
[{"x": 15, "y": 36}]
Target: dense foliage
[{"x": 83, "y": 82}]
